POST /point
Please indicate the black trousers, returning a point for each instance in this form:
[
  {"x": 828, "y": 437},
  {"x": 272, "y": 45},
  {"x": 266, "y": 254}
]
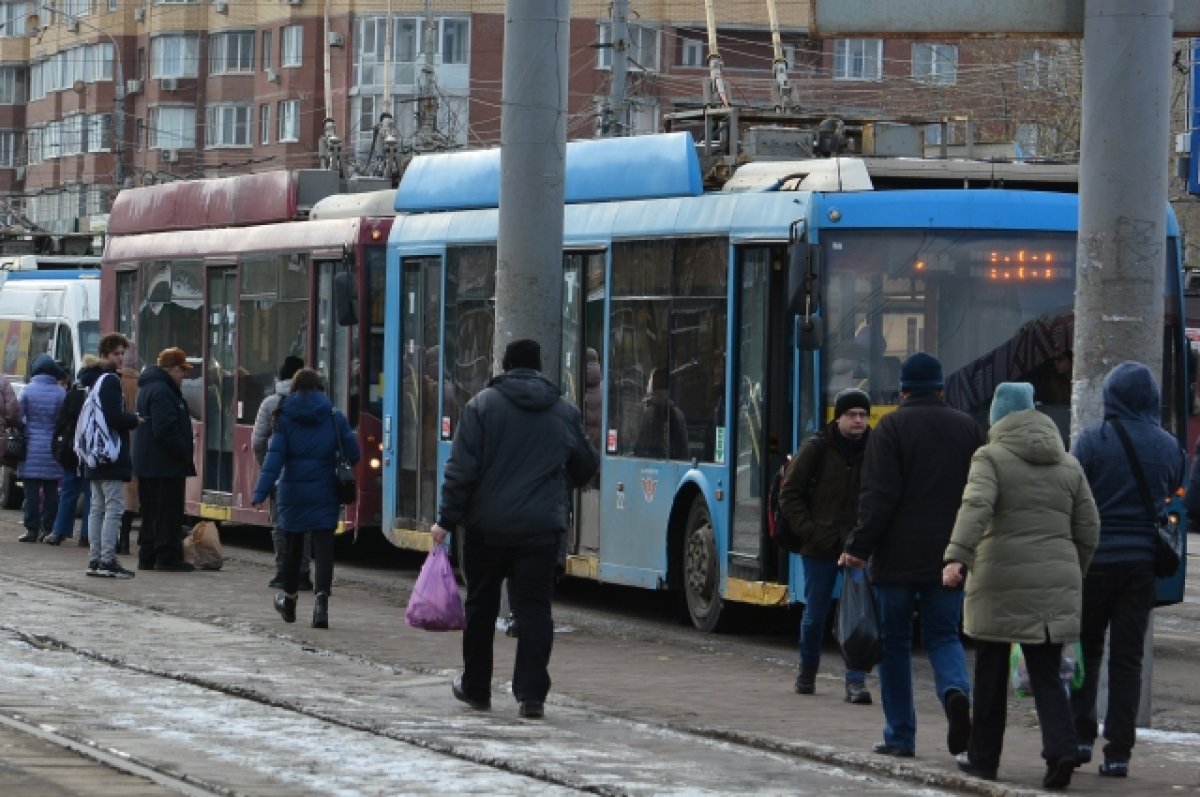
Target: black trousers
[
  {"x": 1116, "y": 598},
  {"x": 991, "y": 701},
  {"x": 161, "y": 537},
  {"x": 530, "y": 570},
  {"x": 322, "y": 555}
]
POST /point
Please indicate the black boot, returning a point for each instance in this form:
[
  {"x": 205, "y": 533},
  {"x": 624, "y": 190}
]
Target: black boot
[
  {"x": 806, "y": 681},
  {"x": 286, "y": 606},
  {"x": 321, "y": 611}
]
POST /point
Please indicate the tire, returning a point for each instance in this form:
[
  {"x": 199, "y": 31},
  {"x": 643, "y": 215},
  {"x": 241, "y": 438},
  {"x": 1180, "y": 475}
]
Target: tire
[
  {"x": 11, "y": 495},
  {"x": 701, "y": 570}
]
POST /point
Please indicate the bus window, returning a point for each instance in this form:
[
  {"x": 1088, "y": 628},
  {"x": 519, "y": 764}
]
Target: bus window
[
  {"x": 89, "y": 339},
  {"x": 63, "y": 349},
  {"x": 470, "y": 321},
  {"x": 171, "y": 314},
  {"x": 372, "y": 358}
]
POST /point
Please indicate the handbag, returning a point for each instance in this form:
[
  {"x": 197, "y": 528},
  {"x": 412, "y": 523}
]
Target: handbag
[
  {"x": 1167, "y": 543},
  {"x": 16, "y": 446},
  {"x": 343, "y": 474}
]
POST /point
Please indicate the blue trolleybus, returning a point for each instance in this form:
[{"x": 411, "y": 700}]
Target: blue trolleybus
[{"x": 705, "y": 333}]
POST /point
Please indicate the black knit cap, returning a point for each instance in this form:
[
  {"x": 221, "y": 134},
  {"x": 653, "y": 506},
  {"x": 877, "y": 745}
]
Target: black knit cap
[
  {"x": 524, "y": 353},
  {"x": 849, "y": 399},
  {"x": 921, "y": 371},
  {"x": 291, "y": 364}
]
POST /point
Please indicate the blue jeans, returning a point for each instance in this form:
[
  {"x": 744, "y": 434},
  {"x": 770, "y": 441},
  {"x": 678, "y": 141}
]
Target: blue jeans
[
  {"x": 941, "y": 610},
  {"x": 73, "y": 485},
  {"x": 820, "y": 577}
]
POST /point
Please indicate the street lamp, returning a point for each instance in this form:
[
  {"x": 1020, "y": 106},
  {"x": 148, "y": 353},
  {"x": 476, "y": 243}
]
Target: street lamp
[{"x": 32, "y": 24}]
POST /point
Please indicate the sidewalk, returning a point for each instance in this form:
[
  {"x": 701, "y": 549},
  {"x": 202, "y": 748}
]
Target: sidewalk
[{"x": 713, "y": 686}]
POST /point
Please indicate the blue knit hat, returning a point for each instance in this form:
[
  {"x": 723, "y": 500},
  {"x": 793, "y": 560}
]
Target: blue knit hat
[
  {"x": 921, "y": 371},
  {"x": 1010, "y": 397}
]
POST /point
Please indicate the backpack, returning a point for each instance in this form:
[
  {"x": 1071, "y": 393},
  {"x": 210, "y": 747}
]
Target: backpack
[
  {"x": 777, "y": 524},
  {"x": 94, "y": 443},
  {"x": 62, "y": 444}
]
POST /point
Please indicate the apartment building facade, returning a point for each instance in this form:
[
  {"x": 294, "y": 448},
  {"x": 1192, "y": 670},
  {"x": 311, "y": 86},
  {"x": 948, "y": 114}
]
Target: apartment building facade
[{"x": 97, "y": 95}]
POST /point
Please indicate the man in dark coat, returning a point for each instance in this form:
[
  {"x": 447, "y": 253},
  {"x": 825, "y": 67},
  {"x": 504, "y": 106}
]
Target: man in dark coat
[
  {"x": 819, "y": 499},
  {"x": 162, "y": 461},
  {"x": 504, "y": 483},
  {"x": 1118, "y": 588},
  {"x": 915, "y": 469},
  {"x": 107, "y": 481}
]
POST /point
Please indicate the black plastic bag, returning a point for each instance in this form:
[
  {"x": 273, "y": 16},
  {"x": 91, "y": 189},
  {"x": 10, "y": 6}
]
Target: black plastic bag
[{"x": 858, "y": 622}]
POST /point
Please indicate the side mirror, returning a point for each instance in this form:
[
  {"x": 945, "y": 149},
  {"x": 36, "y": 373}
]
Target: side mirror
[{"x": 345, "y": 302}]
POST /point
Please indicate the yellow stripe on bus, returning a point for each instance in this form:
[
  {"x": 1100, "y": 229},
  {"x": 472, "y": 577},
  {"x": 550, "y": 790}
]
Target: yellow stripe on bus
[{"x": 759, "y": 593}]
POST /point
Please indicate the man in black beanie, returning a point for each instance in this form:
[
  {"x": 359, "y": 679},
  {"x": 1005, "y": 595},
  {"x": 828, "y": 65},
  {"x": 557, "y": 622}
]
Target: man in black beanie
[
  {"x": 913, "y": 476},
  {"x": 819, "y": 499},
  {"x": 504, "y": 488}
]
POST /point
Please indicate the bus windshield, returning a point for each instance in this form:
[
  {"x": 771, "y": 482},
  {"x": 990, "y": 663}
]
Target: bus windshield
[
  {"x": 992, "y": 306},
  {"x": 89, "y": 337}
]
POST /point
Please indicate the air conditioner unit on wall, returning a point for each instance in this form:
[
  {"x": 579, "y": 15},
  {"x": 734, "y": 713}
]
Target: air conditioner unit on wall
[
  {"x": 133, "y": 87},
  {"x": 170, "y": 155},
  {"x": 139, "y": 14},
  {"x": 169, "y": 84},
  {"x": 336, "y": 39},
  {"x": 272, "y": 75},
  {"x": 72, "y": 25},
  {"x": 220, "y": 7}
]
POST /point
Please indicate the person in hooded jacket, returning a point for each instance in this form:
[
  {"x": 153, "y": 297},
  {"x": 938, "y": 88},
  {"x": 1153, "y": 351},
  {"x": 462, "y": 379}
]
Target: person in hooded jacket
[
  {"x": 1024, "y": 536},
  {"x": 301, "y": 461},
  {"x": 163, "y": 452},
  {"x": 264, "y": 425},
  {"x": 108, "y": 481},
  {"x": 73, "y": 484},
  {"x": 40, "y": 473},
  {"x": 518, "y": 444},
  {"x": 1119, "y": 588}
]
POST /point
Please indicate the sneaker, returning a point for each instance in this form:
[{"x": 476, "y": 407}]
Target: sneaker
[
  {"x": 1112, "y": 768},
  {"x": 92, "y": 568},
  {"x": 29, "y": 536},
  {"x": 113, "y": 569},
  {"x": 479, "y": 705},
  {"x": 531, "y": 709},
  {"x": 857, "y": 693},
  {"x": 958, "y": 715}
]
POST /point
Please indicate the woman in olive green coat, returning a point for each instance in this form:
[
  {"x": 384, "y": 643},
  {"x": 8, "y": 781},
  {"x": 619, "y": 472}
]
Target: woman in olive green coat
[{"x": 1025, "y": 532}]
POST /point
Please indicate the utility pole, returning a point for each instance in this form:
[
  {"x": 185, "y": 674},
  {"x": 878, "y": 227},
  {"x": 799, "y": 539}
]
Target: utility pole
[
  {"x": 616, "y": 115},
  {"x": 533, "y": 145},
  {"x": 427, "y": 101}
]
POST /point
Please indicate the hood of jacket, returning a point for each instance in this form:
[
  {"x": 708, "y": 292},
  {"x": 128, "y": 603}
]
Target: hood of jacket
[
  {"x": 526, "y": 388},
  {"x": 1131, "y": 393},
  {"x": 283, "y": 387},
  {"x": 45, "y": 365},
  {"x": 90, "y": 373},
  {"x": 308, "y": 407},
  {"x": 153, "y": 375},
  {"x": 1031, "y": 435}
]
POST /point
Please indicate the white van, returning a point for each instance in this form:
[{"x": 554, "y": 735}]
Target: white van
[{"x": 45, "y": 311}]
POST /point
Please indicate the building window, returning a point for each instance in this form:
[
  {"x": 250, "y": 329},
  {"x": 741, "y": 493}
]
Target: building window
[
  {"x": 1038, "y": 71},
  {"x": 642, "y": 50},
  {"x": 227, "y": 126},
  {"x": 935, "y": 63},
  {"x": 72, "y": 135},
  {"x": 264, "y": 122},
  {"x": 52, "y": 145},
  {"x": 858, "y": 59},
  {"x": 691, "y": 53},
  {"x": 292, "y": 46},
  {"x": 75, "y": 8},
  {"x": 231, "y": 53},
  {"x": 12, "y": 85},
  {"x": 10, "y": 145},
  {"x": 34, "y": 144},
  {"x": 289, "y": 120},
  {"x": 267, "y": 44},
  {"x": 98, "y": 133},
  {"x": 172, "y": 127},
  {"x": 12, "y": 19},
  {"x": 174, "y": 56},
  {"x": 455, "y": 41}
]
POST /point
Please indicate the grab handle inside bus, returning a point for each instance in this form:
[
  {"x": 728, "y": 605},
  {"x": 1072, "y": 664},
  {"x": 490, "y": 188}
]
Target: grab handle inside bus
[
  {"x": 345, "y": 303},
  {"x": 804, "y": 267}
]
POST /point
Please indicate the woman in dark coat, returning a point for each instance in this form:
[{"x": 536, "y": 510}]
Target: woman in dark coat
[
  {"x": 40, "y": 402},
  {"x": 301, "y": 457}
]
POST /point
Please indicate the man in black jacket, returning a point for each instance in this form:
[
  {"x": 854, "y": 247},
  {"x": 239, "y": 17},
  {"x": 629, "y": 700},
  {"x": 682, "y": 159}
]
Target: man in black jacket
[
  {"x": 913, "y": 477},
  {"x": 162, "y": 461},
  {"x": 504, "y": 484}
]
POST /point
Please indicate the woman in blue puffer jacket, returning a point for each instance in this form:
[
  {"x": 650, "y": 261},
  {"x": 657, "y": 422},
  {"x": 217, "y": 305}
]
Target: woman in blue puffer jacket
[
  {"x": 40, "y": 473},
  {"x": 302, "y": 458}
]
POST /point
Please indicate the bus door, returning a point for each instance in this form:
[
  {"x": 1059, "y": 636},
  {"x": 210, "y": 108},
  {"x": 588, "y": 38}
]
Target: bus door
[
  {"x": 582, "y": 379},
  {"x": 423, "y": 420},
  {"x": 762, "y": 400},
  {"x": 219, "y": 372}
]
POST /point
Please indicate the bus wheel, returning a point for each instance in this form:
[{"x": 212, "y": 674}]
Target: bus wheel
[
  {"x": 10, "y": 494},
  {"x": 701, "y": 570}
]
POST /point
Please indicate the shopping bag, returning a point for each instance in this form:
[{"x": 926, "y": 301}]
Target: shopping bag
[
  {"x": 1070, "y": 669},
  {"x": 435, "y": 604},
  {"x": 858, "y": 622},
  {"x": 202, "y": 547}
]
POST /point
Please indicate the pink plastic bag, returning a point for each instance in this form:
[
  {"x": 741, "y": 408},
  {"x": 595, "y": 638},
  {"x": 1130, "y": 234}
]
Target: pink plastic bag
[{"x": 434, "y": 604}]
